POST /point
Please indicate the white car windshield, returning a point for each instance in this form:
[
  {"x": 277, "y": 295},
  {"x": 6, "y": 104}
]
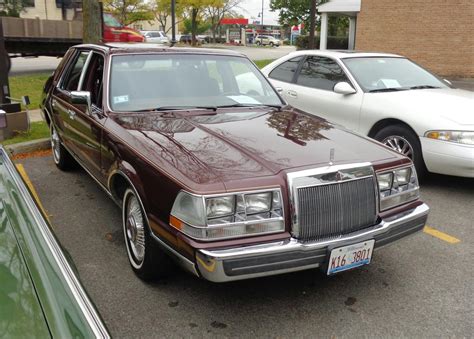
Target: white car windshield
[
  {"x": 382, "y": 74},
  {"x": 147, "y": 82}
]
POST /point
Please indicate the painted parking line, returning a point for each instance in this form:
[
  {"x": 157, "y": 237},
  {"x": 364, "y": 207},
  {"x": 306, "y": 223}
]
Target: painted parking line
[
  {"x": 28, "y": 183},
  {"x": 440, "y": 235}
]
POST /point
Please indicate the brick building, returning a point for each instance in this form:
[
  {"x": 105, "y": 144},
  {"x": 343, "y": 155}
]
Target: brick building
[{"x": 438, "y": 34}]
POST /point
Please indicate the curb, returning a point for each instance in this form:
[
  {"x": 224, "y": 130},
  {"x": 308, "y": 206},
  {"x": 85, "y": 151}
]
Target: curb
[{"x": 28, "y": 146}]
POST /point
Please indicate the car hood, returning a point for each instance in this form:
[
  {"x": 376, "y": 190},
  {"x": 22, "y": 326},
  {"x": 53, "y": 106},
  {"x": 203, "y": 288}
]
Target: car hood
[
  {"x": 247, "y": 143},
  {"x": 439, "y": 107}
]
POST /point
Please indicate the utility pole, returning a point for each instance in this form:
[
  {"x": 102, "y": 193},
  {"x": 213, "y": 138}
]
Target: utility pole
[
  {"x": 262, "y": 15},
  {"x": 312, "y": 24}
]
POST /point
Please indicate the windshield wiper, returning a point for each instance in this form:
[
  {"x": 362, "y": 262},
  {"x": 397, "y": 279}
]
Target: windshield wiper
[
  {"x": 389, "y": 89},
  {"x": 423, "y": 87},
  {"x": 278, "y": 107},
  {"x": 176, "y": 108}
]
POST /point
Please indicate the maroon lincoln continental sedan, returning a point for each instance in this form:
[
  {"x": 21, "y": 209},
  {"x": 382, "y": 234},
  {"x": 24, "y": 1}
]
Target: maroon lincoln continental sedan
[{"x": 215, "y": 171}]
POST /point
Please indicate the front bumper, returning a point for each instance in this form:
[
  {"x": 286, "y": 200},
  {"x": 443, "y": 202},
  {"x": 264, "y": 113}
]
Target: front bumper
[
  {"x": 449, "y": 158},
  {"x": 292, "y": 255}
]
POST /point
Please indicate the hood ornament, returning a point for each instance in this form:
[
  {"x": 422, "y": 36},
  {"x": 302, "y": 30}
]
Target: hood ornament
[{"x": 331, "y": 156}]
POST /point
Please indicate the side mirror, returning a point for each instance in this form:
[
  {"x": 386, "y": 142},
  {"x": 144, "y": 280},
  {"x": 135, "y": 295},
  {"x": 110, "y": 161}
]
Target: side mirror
[
  {"x": 81, "y": 98},
  {"x": 343, "y": 88}
]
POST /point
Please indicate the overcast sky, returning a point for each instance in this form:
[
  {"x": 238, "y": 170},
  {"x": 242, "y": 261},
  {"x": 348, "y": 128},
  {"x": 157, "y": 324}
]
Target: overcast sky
[{"x": 250, "y": 9}]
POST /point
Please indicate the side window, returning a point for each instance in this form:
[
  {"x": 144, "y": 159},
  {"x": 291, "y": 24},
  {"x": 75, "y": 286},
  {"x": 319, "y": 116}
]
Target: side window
[
  {"x": 93, "y": 79},
  {"x": 286, "y": 71},
  {"x": 71, "y": 81},
  {"x": 321, "y": 73}
]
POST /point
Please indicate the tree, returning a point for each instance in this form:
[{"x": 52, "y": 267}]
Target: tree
[
  {"x": 193, "y": 11},
  {"x": 216, "y": 12},
  {"x": 292, "y": 12},
  {"x": 92, "y": 22},
  {"x": 13, "y": 7},
  {"x": 129, "y": 11},
  {"x": 161, "y": 10}
]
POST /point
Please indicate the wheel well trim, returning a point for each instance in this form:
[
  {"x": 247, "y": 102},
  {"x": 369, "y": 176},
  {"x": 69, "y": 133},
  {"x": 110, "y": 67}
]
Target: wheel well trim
[
  {"x": 181, "y": 260},
  {"x": 380, "y": 124}
]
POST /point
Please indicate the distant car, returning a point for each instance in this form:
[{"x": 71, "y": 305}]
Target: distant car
[
  {"x": 40, "y": 294},
  {"x": 211, "y": 167},
  {"x": 267, "y": 40},
  {"x": 386, "y": 97},
  {"x": 114, "y": 31},
  {"x": 187, "y": 39},
  {"x": 158, "y": 37}
]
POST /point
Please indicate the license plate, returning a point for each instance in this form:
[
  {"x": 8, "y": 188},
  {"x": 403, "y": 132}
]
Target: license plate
[{"x": 352, "y": 256}]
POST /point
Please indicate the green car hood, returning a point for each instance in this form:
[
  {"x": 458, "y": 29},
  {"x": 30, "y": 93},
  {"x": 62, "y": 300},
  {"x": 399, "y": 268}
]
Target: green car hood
[
  {"x": 20, "y": 310},
  {"x": 40, "y": 293}
]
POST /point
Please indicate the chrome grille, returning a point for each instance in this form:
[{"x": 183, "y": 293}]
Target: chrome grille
[{"x": 330, "y": 209}]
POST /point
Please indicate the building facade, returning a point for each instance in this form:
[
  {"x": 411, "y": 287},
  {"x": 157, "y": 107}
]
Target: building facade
[{"x": 438, "y": 34}]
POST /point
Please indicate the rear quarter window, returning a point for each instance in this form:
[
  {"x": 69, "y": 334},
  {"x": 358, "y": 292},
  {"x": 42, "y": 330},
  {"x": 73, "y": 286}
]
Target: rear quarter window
[{"x": 286, "y": 71}]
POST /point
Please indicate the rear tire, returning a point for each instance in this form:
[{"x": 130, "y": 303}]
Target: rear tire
[
  {"x": 63, "y": 160},
  {"x": 258, "y": 43},
  {"x": 403, "y": 140},
  {"x": 147, "y": 260}
]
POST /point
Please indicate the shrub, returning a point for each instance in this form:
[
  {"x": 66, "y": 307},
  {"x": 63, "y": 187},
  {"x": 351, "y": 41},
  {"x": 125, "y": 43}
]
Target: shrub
[{"x": 334, "y": 42}]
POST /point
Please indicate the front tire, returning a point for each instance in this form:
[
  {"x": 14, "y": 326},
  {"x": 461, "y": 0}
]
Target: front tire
[
  {"x": 63, "y": 160},
  {"x": 404, "y": 141},
  {"x": 271, "y": 44},
  {"x": 147, "y": 260}
]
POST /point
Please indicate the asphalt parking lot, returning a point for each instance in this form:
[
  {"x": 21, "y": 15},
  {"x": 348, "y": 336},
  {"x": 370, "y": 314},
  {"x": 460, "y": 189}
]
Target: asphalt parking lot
[{"x": 419, "y": 287}]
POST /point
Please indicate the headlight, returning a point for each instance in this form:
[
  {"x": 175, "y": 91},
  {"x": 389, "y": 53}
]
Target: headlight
[
  {"x": 228, "y": 216},
  {"x": 397, "y": 187},
  {"x": 461, "y": 137}
]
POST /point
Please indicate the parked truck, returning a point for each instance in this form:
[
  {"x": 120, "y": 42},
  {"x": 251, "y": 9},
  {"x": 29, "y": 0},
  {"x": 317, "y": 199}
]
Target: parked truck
[{"x": 37, "y": 37}]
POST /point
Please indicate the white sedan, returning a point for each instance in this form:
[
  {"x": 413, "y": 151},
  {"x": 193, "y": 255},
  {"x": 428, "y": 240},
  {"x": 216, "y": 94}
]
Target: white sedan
[{"x": 386, "y": 97}]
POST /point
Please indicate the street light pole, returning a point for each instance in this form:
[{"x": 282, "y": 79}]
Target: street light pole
[{"x": 262, "y": 15}]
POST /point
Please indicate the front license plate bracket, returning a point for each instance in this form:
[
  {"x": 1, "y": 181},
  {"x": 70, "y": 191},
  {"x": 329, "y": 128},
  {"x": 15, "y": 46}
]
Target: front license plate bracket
[{"x": 351, "y": 256}]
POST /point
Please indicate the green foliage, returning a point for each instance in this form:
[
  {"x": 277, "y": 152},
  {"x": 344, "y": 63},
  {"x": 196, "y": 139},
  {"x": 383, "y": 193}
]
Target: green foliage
[
  {"x": 292, "y": 12},
  {"x": 201, "y": 26},
  {"x": 334, "y": 42},
  {"x": 14, "y": 7},
  {"x": 161, "y": 10},
  {"x": 129, "y": 11}
]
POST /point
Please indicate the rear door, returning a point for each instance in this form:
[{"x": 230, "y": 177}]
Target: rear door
[
  {"x": 283, "y": 76},
  {"x": 313, "y": 92}
]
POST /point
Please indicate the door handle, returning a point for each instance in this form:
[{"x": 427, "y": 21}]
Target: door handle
[
  {"x": 279, "y": 89},
  {"x": 292, "y": 94},
  {"x": 71, "y": 114},
  {"x": 54, "y": 103}
]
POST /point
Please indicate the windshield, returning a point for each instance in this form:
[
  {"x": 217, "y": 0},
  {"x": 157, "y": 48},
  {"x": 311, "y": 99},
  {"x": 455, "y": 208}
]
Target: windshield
[
  {"x": 144, "y": 82},
  {"x": 376, "y": 74},
  {"x": 111, "y": 21}
]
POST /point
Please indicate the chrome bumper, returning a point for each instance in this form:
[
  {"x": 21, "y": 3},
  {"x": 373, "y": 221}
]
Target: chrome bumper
[{"x": 292, "y": 255}]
